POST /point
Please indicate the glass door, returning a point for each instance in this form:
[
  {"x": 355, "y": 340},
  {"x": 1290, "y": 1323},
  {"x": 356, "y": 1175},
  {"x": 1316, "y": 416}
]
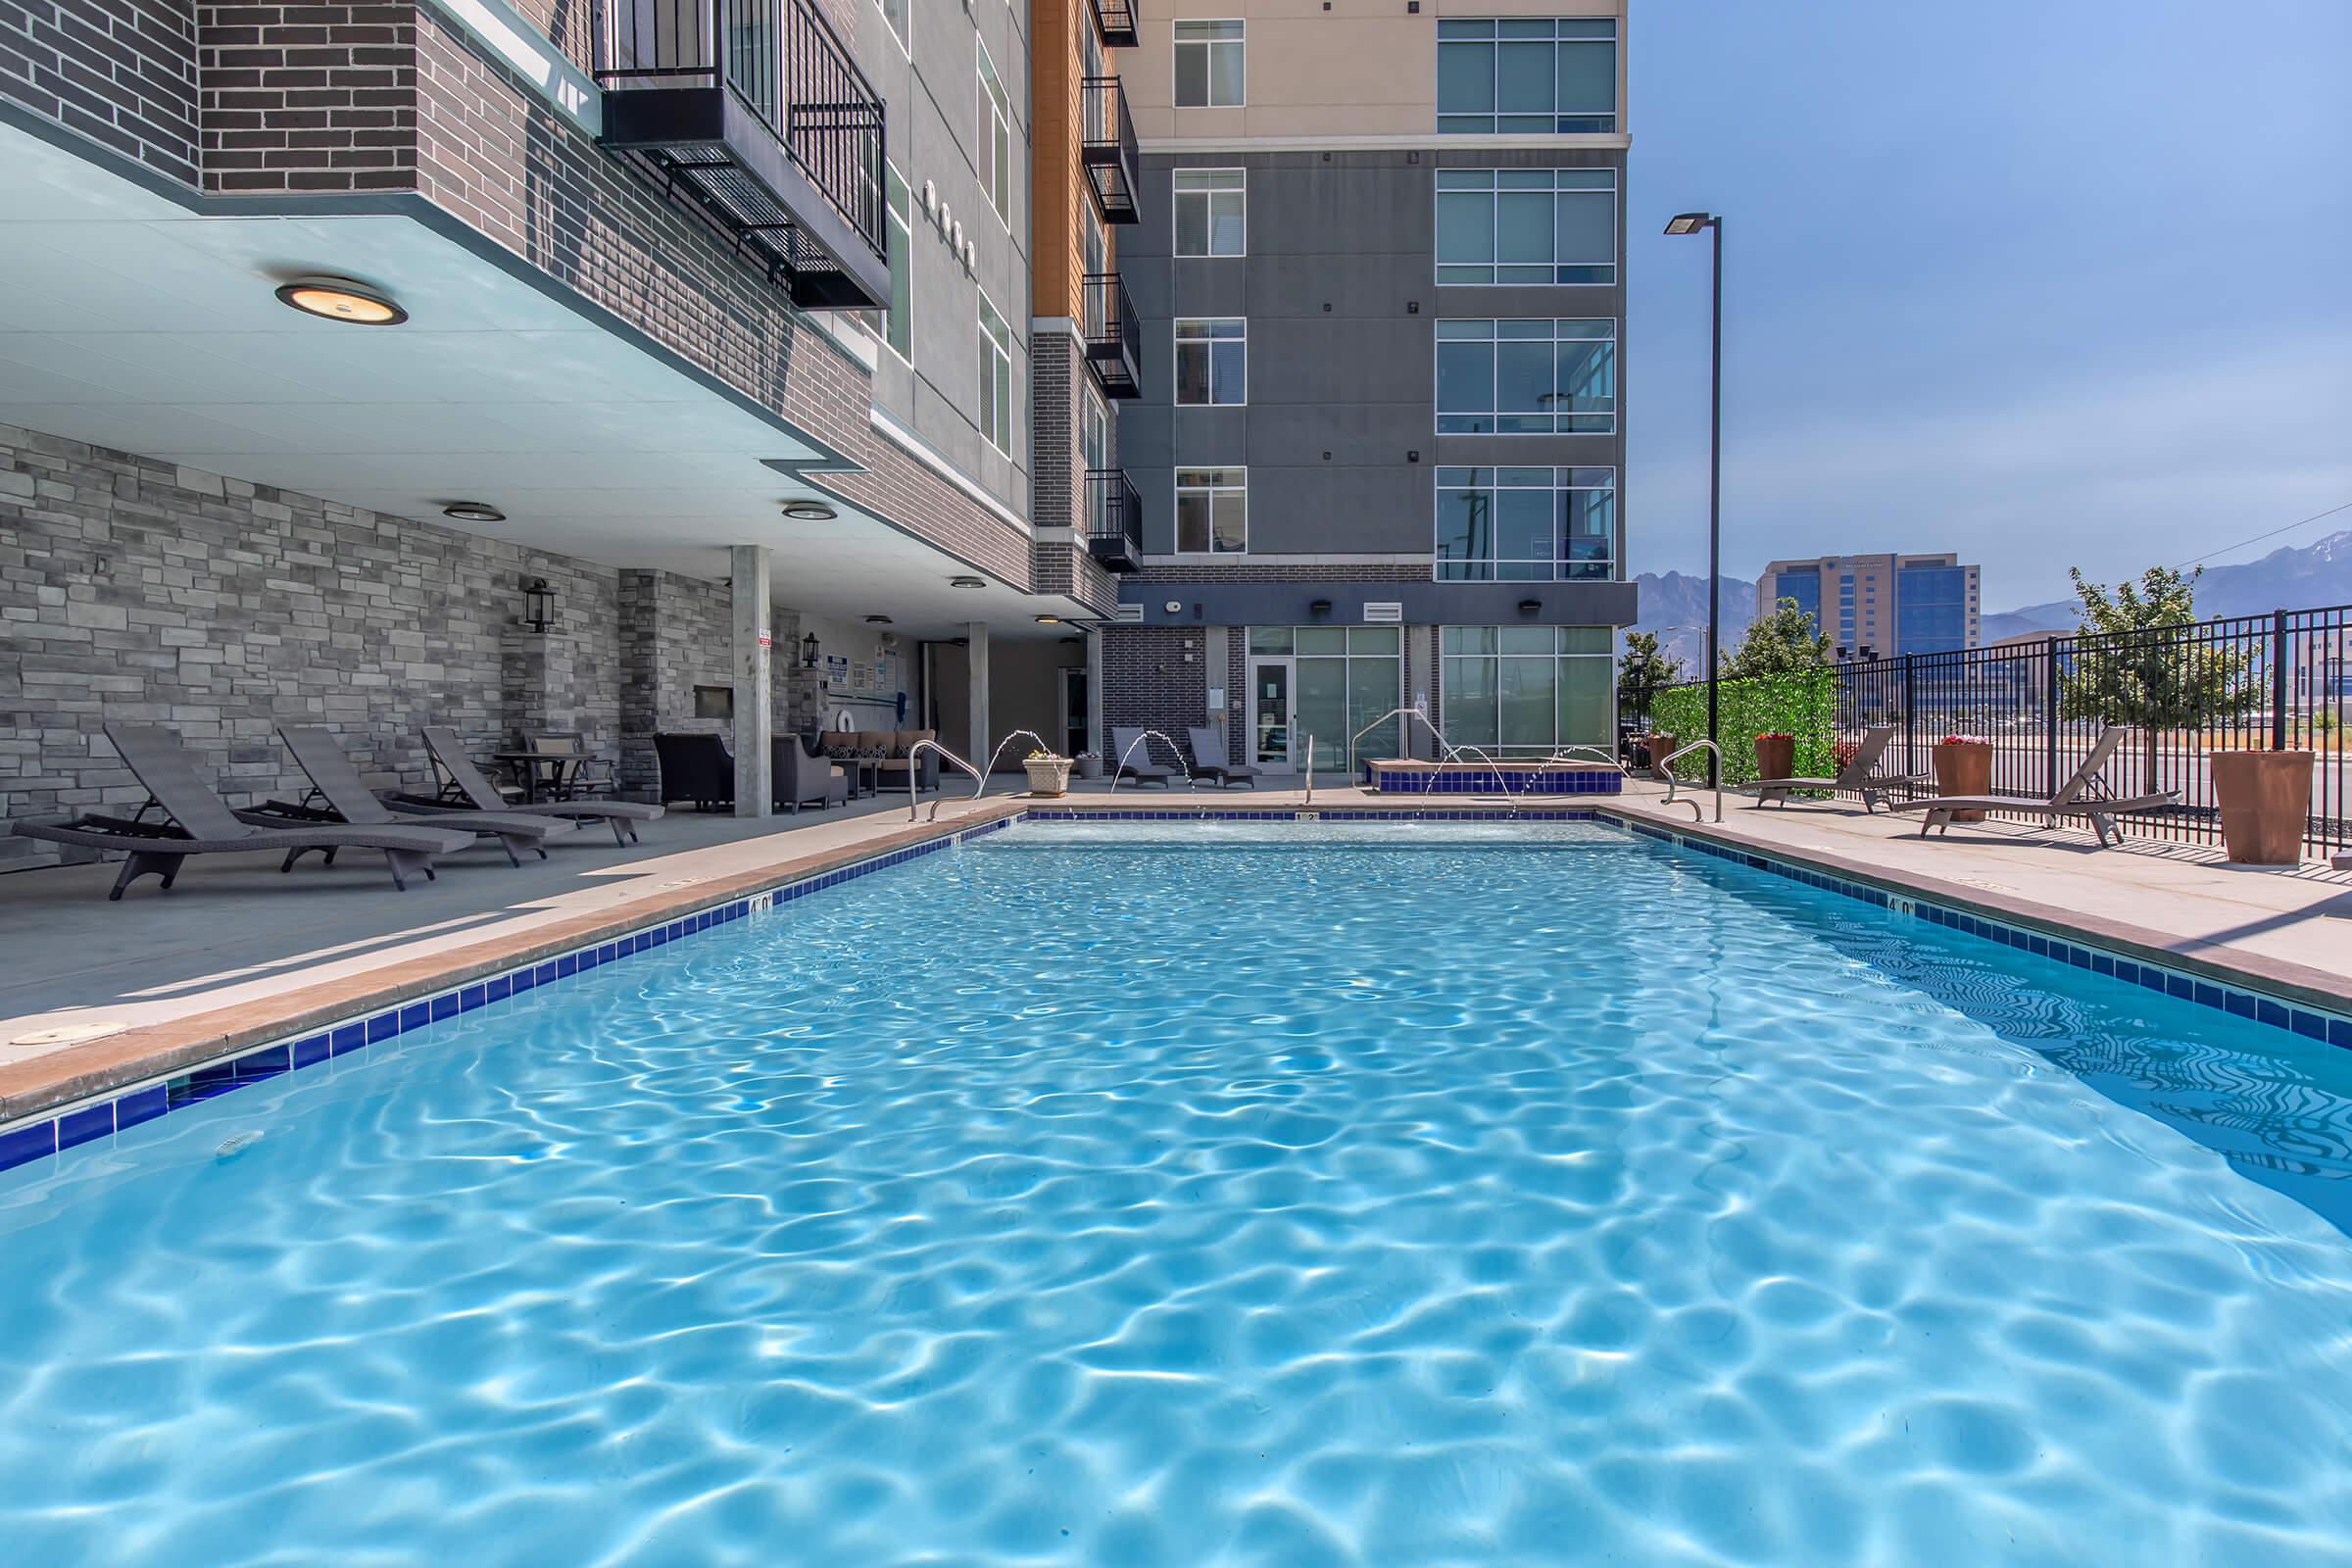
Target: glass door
[{"x": 1272, "y": 713}]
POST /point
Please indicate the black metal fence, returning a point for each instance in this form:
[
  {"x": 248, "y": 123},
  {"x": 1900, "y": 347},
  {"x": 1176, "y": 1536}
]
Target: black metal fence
[{"x": 2281, "y": 681}]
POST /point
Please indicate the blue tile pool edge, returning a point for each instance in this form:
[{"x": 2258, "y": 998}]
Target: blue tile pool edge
[
  {"x": 53, "y": 1131},
  {"x": 2321, "y": 1024},
  {"x": 56, "y": 1129}
]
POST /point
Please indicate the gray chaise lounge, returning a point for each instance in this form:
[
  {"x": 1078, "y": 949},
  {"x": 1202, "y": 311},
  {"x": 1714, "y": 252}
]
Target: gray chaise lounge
[
  {"x": 1209, "y": 757},
  {"x": 1861, "y": 773},
  {"x": 1131, "y": 752},
  {"x": 470, "y": 791},
  {"x": 200, "y": 822},
  {"x": 347, "y": 797},
  {"x": 2074, "y": 799}
]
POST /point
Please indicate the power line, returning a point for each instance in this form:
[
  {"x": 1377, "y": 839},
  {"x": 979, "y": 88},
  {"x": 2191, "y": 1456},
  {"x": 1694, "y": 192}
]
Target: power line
[{"x": 2260, "y": 537}]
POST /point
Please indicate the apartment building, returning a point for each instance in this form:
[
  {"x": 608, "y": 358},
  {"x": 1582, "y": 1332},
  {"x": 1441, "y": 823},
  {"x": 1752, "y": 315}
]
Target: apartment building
[
  {"x": 1379, "y": 280},
  {"x": 519, "y": 365},
  {"x": 1883, "y": 604}
]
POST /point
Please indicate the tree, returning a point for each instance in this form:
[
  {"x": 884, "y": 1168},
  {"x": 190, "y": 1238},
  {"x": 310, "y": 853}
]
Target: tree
[
  {"x": 2135, "y": 660},
  {"x": 1644, "y": 671},
  {"x": 1781, "y": 643}
]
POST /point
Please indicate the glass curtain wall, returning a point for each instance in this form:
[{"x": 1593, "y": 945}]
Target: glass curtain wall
[
  {"x": 1347, "y": 676},
  {"x": 1524, "y": 691}
]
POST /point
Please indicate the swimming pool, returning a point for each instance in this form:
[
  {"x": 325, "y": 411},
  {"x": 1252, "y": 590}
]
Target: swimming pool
[{"x": 1170, "y": 1194}]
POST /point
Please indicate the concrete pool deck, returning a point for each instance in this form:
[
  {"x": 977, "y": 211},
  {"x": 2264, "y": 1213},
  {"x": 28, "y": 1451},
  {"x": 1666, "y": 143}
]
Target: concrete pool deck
[{"x": 239, "y": 955}]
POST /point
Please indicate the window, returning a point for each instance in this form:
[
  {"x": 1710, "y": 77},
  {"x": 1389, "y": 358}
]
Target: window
[
  {"x": 1528, "y": 690},
  {"x": 1094, "y": 431},
  {"x": 996, "y": 138},
  {"x": 898, "y": 323},
  {"x": 1519, "y": 77},
  {"x": 1213, "y": 511},
  {"x": 1210, "y": 212},
  {"x": 1527, "y": 225},
  {"x": 1526, "y": 524},
  {"x": 996, "y": 378},
  {"x": 1931, "y": 609},
  {"x": 1208, "y": 64},
  {"x": 894, "y": 13},
  {"x": 1527, "y": 378},
  {"x": 1347, "y": 678},
  {"x": 1212, "y": 360}
]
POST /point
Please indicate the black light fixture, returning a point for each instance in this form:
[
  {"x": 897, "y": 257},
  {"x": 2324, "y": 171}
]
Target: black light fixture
[
  {"x": 339, "y": 299},
  {"x": 809, "y": 652},
  {"x": 877, "y": 620},
  {"x": 538, "y": 605},
  {"x": 967, "y": 582},
  {"x": 1321, "y": 607},
  {"x": 473, "y": 512},
  {"x": 1682, "y": 223},
  {"x": 1528, "y": 606},
  {"x": 810, "y": 511},
  {"x": 1049, "y": 621}
]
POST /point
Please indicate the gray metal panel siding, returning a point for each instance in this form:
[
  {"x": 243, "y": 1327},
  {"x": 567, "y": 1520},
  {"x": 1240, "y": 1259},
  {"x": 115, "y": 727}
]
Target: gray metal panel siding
[{"x": 1426, "y": 604}]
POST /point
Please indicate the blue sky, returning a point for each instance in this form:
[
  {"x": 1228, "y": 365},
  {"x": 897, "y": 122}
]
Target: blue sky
[{"x": 2051, "y": 282}]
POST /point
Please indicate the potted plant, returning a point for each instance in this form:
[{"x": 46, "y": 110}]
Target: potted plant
[
  {"x": 1661, "y": 747},
  {"x": 1089, "y": 765},
  {"x": 1776, "y": 755},
  {"x": 2266, "y": 804},
  {"x": 1964, "y": 766},
  {"x": 1047, "y": 774}
]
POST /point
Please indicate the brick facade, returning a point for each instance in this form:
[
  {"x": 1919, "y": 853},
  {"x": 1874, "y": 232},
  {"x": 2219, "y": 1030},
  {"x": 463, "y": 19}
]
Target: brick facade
[
  {"x": 1154, "y": 677},
  {"x": 313, "y": 97},
  {"x": 122, "y": 73}
]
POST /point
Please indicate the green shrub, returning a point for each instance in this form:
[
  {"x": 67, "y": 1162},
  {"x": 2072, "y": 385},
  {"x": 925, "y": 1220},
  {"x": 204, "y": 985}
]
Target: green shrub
[{"x": 1800, "y": 703}]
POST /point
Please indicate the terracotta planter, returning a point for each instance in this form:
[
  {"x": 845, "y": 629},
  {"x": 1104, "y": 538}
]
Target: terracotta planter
[
  {"x": 1048, "y": 775},
  {"x": 1660, "y": 748},
  {"x": 1964, "y": 767},
  {"x": 1776, "y": 756},
  {"x": 2266, "y": 804}
]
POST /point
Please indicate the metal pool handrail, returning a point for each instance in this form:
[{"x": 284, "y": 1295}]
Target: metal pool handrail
[
  {"x": 913, "y": 773},
  {"x": 1666, "y": 768}
]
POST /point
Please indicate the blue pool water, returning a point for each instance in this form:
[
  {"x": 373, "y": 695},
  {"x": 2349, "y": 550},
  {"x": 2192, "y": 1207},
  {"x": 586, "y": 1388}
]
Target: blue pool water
[{"x": 1116, "y": 1196}]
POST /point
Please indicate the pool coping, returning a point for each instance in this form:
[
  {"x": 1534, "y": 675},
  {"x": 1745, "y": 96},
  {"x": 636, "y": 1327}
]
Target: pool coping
[{"x": 68, "y": 1098}]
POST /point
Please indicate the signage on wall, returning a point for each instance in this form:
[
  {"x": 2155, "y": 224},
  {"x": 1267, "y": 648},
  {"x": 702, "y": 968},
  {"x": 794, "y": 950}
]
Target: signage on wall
[{"x": 767, "y": 641}]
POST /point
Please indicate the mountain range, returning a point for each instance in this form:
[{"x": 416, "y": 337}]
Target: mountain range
[{"x": 1674, "y": 604}]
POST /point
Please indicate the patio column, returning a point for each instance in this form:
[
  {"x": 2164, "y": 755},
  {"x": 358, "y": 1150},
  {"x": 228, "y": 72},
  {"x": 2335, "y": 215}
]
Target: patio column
[
  {"x": 755, "y": 681},
  {"x": 975, "y": 670}
]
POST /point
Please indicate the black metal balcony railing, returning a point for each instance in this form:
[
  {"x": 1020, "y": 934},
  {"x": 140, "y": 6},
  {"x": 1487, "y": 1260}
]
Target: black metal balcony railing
[
  {"x": 1114, "y": 519},
  {"x": 1114, "y": 335},
  {"x": 1115, "y": 19},
  {"x": 1106, "y": 146},
  {"x": 759, "y": 111}
]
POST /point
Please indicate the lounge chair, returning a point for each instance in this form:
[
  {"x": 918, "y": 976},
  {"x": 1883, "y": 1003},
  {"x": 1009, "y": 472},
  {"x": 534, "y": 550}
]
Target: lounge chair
[
  {"x": 198, "y": 822},
  {"x": 2073, "y": 798},
  {"x": 696, "y": 767},
  {"x": 1131, "y": 753},
  {"x": 340, "y": 795},
  {"x": 470, "y": 791},
  {"x": 1859, "y": 773},
  {"x": 800, "y": 776},
  {"x": 1209, "y": 757}
]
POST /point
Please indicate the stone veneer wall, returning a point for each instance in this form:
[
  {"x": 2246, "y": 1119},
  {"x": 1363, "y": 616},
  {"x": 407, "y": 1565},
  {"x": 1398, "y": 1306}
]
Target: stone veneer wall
[{"x": 134, "y": 590}]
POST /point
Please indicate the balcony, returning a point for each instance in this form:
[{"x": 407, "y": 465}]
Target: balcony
[
  {"x": 756, "y": 111},
  {"x": 1115, "y": 337},
  {"x": 1115, "y": 520},
  {"x": 1115, "y": 19},
  {"x": 1106, "y": 147}
]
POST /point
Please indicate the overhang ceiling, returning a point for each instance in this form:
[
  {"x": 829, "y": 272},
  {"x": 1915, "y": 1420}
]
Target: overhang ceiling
[{"x": 129, "y": 321}]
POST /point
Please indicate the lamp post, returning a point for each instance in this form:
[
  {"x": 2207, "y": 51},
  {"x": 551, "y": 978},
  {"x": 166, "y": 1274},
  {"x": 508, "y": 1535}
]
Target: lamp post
[{"x": 1691, "y": 223}]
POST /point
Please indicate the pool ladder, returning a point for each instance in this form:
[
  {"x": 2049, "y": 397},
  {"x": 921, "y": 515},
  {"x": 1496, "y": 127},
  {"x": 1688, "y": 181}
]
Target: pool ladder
[{"x": 1666, "y": 767}]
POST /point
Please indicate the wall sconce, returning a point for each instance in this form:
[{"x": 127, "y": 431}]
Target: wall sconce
[
  {"x": 1528, "y": 606},
  {"x": 1321, "y": 607},
  {"x": 538, "y": 605},
  {"x": 809, "y": 652}
]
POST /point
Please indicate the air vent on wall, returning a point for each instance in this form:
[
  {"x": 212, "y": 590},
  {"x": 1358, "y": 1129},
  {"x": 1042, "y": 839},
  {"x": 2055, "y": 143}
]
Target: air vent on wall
[
  {"x": 1384, "y": 612},
  {"x": 1129, "y": 612}
]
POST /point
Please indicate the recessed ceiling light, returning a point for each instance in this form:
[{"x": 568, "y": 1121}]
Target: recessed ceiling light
[
  {"x": 877, "y": 620},
  {"x": 1049, "y": 621},
  {"x": 473, "y": 512},
  {"x": 809, "y": 511},
  {"x": 967, "y": 582},
  {"x": 339, "y": 299}
]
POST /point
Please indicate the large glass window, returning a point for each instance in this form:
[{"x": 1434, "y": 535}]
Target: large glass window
[
  {"x": 994, "y": 146},
  {"x": 1514, "y": 524},
  {"x": 996, "y": 378},
  {"x": 1208, "y": 64},
  {"x": 1527, "y": 225},
  {"x": 1210, "y": 212},
  {"x": 1212, "y": 360},
  {"x": 1527, "y": 76},
  {"x": 1213, "y": 511},
  {"x": 1931, "y": 609},
  {"x": 1349, "y": 678},
  {"x": 895, "y": 12},
  {"x": 1802, "y": 586},
  {"x": 898, "y": 323},
  {"x": 1527, "y": 378},
  {"x": 1528, "y": 690}
]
